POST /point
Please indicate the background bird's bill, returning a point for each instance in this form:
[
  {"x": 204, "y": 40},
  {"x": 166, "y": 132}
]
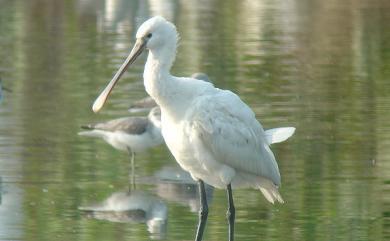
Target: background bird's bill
[{"x": 139, "y": 46}]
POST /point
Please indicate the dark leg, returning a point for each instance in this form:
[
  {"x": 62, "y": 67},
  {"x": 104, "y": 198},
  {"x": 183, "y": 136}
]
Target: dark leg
[
  {"x": 231, "y": 212},
  {"x": 132, "y": 177},
  {"x": 203, "y": 212}
]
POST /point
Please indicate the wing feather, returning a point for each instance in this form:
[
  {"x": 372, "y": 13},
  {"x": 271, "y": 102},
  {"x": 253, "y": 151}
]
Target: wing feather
[
  {"x": 229, "y": 130},
  {"x": 131, "y": 125}
]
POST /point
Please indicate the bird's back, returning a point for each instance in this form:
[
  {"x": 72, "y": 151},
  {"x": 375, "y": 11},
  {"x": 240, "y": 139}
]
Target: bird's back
[{"x": 129, "y": 125}]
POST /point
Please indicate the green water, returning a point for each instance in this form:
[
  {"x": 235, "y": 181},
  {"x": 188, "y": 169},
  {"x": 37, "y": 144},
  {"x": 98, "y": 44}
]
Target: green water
[{"x": 321, "y": 66}]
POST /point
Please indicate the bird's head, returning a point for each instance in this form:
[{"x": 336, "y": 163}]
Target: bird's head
[{"x": 156, "y": 34}]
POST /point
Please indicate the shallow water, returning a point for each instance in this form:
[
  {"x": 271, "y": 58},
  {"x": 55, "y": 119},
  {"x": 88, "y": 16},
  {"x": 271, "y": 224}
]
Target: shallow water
[{"x": 321, "y": 66}]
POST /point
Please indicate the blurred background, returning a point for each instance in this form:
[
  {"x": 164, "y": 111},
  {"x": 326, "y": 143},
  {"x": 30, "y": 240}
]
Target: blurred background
[{"x": 321, "y": 66}]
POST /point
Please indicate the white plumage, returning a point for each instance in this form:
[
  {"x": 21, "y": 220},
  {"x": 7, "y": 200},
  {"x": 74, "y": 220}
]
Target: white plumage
[
  {"x": 280, "y": 134},
  {"x": 219, "y": 140},
  {"x": 211, "y": 132},
  {"x": 147, "y": 103}
]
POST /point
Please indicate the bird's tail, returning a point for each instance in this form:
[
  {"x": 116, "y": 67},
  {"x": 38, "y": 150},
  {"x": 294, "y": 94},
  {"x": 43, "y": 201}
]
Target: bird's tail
[
  {"x": 270, "y": 191},
  {"x": 280, "y": 134}
]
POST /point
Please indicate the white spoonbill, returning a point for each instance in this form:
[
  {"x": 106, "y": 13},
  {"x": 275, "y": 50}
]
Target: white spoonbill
[{"x": 211, "y": 132}]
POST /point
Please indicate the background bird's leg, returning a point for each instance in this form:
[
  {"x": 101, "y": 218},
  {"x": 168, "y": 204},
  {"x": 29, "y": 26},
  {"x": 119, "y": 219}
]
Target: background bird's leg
[
  {"x": 203, "y": 211},
  {"x": 231, "y": 212},
  {"x": 132, "y": 177}
]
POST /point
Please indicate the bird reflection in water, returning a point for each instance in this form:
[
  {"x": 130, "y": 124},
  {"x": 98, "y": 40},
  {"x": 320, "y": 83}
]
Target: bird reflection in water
[
  {"x": 176, "y": 185},
  {"x": 133, "y": 207}
]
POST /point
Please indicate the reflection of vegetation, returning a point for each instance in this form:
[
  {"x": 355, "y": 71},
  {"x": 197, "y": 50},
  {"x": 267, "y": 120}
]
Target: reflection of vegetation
[{"x": 322, "y": 66}]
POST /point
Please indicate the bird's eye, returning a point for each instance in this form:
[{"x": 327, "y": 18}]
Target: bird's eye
[{"x": 149, "y": 35}]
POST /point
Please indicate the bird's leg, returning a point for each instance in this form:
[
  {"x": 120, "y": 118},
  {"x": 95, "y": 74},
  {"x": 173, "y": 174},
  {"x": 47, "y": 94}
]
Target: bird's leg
[
  {"x": 231, "y": 212},
  {"x": 203, "y": 211},
  {"x": 132, "y": 177}
]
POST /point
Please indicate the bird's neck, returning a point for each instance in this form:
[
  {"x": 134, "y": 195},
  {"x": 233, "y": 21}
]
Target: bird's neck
[
  {"x": 156, "y": 71},
  {"x": 157, "y": 78},
  {"x": 168, "y": 91}
]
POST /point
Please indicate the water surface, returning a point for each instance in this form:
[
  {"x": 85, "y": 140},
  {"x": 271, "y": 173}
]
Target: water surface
[{"x": 321, "y": 66}]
